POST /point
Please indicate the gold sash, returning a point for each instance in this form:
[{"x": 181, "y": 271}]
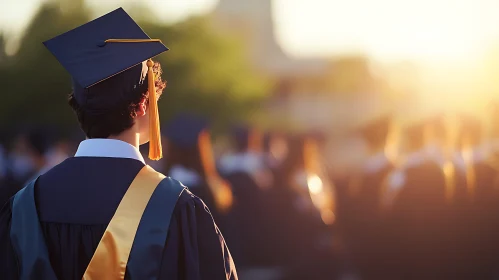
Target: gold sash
[{"x": 111, "y": 256}]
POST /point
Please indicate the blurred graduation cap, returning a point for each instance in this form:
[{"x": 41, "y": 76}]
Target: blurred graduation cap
[
  {"x": 109, "y": 61},
  {"x": 184, "y": 129},
  {"x": 375, "y": 131}
]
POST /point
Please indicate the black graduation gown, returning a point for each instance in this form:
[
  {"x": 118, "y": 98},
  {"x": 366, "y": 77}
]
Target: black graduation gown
[
  {"x": 418, "y": 225},
  {"x": 247, "y": 232},
  {"x": 483, "y": 221},
  {"x": 77, "y": 199},
  {"x": 364, "y": 227},
  {"x": 294, "y": 231}
]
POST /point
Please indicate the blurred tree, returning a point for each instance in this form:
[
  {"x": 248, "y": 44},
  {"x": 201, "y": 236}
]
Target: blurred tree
[
  {"x": 207, "y": 73},
  {"x": 36, "y": 85},
  {"x": 3, "y": 54}
]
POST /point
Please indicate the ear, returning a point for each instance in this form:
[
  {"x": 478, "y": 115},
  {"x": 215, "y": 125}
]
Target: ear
[{"x": 142, "y": 107}]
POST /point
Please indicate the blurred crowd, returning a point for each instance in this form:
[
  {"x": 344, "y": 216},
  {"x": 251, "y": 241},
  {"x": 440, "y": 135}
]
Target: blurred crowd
[{"x": 422, "y": 202}]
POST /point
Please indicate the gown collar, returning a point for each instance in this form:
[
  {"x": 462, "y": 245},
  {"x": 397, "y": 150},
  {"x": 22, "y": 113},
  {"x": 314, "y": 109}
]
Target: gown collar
[{"x": 108, "y": 148}]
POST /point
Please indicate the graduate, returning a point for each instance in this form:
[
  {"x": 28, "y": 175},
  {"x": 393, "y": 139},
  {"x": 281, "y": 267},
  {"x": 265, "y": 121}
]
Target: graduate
[
  {"x": 416, "y": 208},
  {"x": 244, "y": 167},
  {"x": 247, "y": 156},
  {"x": 104, "y": 214},
  {"x": 27, "y": 160},
  {"x": 296, "y": 212},
  {"x": 479, "y": 225},
  {"x": 189, "y": 159},
  {"x": 362, "y": 223}
]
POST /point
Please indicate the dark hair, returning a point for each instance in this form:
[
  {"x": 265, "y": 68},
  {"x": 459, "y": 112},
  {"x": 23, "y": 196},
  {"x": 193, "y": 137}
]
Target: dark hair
[{"x": 120, "y": 117}]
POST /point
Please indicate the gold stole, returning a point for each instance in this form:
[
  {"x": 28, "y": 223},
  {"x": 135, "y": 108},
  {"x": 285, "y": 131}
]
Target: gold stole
[{"x": 111, "y": 256}]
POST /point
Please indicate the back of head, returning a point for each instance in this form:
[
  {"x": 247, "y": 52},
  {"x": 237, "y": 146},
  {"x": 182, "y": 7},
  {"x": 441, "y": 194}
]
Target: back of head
[
  {"x": 109, "y": 107},
  {"x": 184, "y": 147},
  {"x": 187, "y": 157},
  {"x": 375, "y": 132}
]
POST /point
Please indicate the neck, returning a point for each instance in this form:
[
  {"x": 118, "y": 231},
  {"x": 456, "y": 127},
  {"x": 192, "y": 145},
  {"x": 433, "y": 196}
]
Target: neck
[{"x": 130, "y": 136}]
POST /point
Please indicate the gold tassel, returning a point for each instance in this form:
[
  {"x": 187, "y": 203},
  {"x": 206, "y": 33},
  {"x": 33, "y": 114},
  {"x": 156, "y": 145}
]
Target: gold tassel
[{"x": 155, "y": 149}]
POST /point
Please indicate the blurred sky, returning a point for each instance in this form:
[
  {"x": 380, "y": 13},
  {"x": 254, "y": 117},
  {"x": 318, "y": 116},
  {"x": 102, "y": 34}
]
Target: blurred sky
[{"x": 421, "y": 30}]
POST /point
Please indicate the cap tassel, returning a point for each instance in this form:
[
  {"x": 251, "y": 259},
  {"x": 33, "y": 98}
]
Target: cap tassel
[{"x": 155, "y": 149}]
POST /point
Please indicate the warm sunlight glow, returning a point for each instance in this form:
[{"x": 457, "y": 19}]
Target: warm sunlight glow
[
  {"x": 388, "y": 29},
  {"x": 328, "y": 217},
  {"x": 315, "y": 184}
]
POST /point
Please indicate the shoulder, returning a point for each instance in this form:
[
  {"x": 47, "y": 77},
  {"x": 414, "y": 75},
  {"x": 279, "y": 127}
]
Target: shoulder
[{"x": 185, "y": 198}]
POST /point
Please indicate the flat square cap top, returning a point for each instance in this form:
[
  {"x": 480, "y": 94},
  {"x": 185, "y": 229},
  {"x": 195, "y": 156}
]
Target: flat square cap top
[{"x": 89, "y": 59}]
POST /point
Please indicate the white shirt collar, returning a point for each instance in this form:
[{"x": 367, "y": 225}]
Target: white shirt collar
[{"x": 108, "y": 148}]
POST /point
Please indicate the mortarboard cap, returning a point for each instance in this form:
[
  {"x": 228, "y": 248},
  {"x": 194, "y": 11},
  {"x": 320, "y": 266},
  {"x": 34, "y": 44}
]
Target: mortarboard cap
[
  {"x": 376, "y": 130},
  {"x": 106, "y": 59},
  {"x": 184, "y": 129}
]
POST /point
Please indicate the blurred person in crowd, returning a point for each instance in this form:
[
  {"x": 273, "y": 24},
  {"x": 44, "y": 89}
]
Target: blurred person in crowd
[
  {"x": 417, "y": 213},
  {"x": 275, "y": 150},
  {"x": 479, "y": 217},
  {"x": 250, "y": 176},
  {"x": 243, "y": 167},
  {"x": 81, "y": 218},
  {"x": 298, "y": 224},
  {"x": 58, "y": 152},
  {"x": 38, "y": 144},
  {"x": 21, "y": 165},
  {"x": 189, "y": 159},
  {"x": 360, "y": 214},
  {"x": 247, "y": 156},
  {"x": 27, "y": 160}
]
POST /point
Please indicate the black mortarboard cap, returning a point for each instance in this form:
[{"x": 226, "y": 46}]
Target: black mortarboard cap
[
  {"x": 106, "y": 60},
  {"x": 184, "y": 129},
  {"x": 87, "y": 57},
  {"x": 376, "y": 130}
]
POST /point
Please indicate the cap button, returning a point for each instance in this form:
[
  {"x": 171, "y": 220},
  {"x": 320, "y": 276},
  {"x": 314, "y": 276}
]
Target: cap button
[{"x": 101, "y": 43}]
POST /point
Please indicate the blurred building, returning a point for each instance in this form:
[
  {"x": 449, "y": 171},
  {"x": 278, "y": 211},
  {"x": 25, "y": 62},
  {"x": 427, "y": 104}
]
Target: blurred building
[{"x": 319, "y": 93}]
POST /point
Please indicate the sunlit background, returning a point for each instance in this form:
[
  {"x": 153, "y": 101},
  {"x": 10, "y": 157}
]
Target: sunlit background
[
  {"x": 287, "y": 67},
  {"x": 437, "y": 48}
]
